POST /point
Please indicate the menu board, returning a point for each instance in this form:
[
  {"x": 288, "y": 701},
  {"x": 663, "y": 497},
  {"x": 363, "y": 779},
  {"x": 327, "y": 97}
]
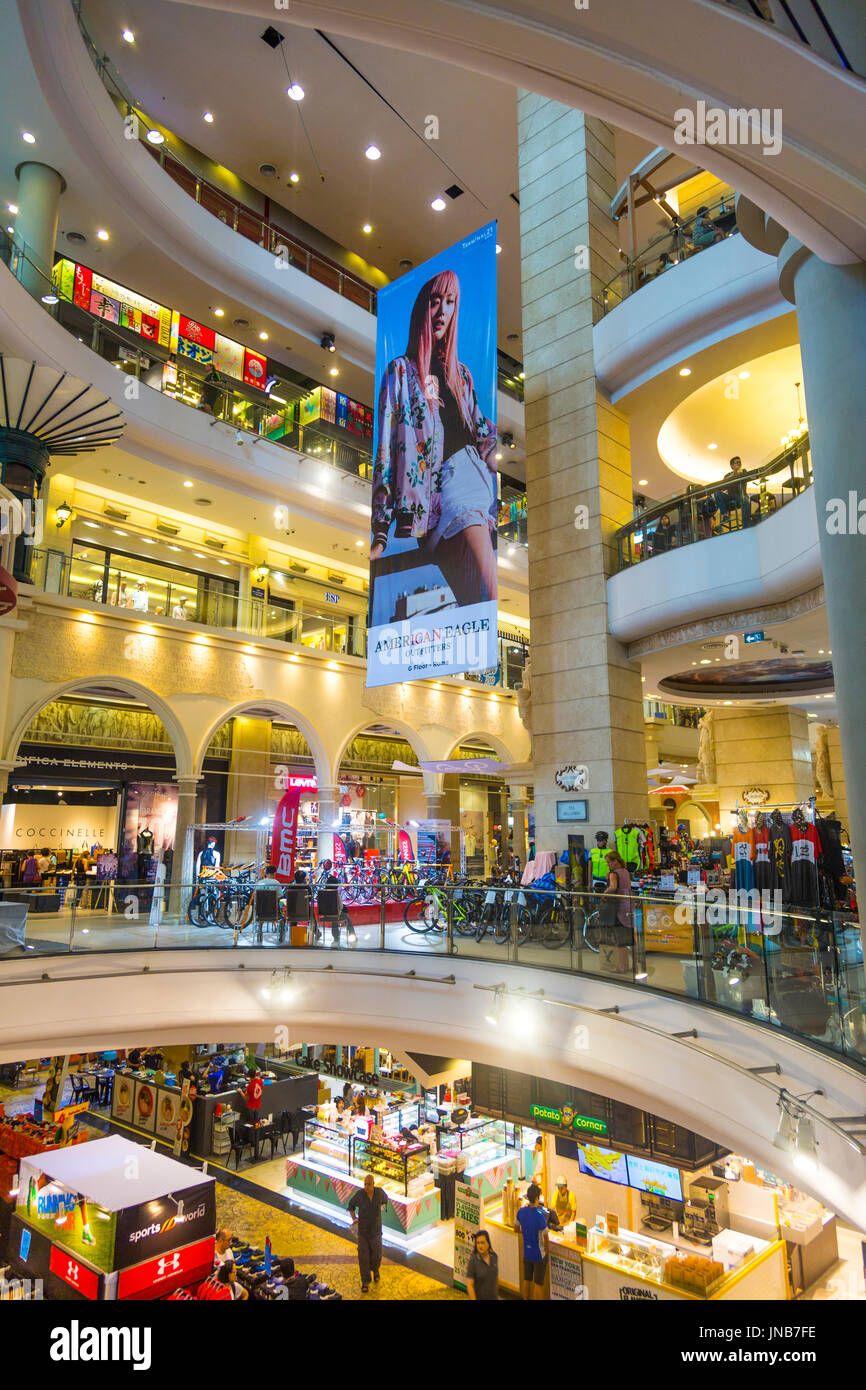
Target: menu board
[
  {"x": 655, "y": 1177},
  {"x": 144, "y": 1111},
  {"x": 167, "y": 1114},
  {"x": 608, "y": 1164}
]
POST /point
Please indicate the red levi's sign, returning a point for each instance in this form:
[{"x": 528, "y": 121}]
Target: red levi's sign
[
  {"x": 77, "y": 1275},
  {"x": 159, "y": 1276},
  {"x": 285, "y": 835}
]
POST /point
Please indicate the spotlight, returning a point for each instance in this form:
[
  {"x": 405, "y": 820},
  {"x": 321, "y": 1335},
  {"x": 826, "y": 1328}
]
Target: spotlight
[
  {"x": 328, "y": 342},
  {"x": 296, "y": 92},
  {"x": 102, "y": 234},
  {"x": 373, "y": 152},
  {"x": 155, "y": 137},
  {"x": 294, "y": 178},
  {"x": 12, "y": 207},
  {"x": 265, "y": 992},
  {"x": 508, "y": 441},
  {"x": 786, "y": 1130},
  {"x": 806, "y": 1152},
  {"x": 367, "y": 229},
  {"x": 28, "y": 137},
  {"x": 438, "y": 205},
  {"x": 495, "y": 1012},
  {"x": 207, "y": 116},
  {"x": 128, "y": 36}
]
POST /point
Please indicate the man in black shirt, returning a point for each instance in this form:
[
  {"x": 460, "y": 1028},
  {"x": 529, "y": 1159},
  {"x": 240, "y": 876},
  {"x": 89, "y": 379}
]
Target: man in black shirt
[{"x": 366, "y": 1208}]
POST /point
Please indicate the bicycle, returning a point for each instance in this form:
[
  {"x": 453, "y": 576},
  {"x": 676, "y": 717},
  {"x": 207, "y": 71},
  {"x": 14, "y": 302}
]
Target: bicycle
[{"x": 428, "y": 911}]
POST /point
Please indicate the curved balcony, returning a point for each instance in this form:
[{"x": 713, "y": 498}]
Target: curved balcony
[{"x": 711, "y": 1027}]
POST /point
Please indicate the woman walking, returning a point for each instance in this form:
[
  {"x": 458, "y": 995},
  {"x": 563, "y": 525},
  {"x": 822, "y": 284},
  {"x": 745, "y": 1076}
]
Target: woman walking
[
  {"x": 617, "y": 917},
  {"x": 434, "y": 477}
]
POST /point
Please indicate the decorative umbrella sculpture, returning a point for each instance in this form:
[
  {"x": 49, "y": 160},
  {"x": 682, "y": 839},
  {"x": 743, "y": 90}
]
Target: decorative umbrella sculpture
[{"x": 43, "y": 414}]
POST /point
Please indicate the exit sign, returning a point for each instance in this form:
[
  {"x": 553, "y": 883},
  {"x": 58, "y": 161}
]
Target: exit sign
[{"x": 753, "y": 637}]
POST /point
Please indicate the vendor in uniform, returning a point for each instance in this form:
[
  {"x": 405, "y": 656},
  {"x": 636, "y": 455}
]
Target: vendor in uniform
[
  {"x": 564, "y": 1202},
  {"x": 598, "y": 870}
]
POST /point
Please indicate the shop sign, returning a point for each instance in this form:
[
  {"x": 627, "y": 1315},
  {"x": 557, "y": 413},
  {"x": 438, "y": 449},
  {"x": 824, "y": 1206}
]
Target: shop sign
[
  {"x": 152, "y": 1228},
  {"x": 159, "y": 1276},
  {"x": 587, "y": 1124},
  {"x": 285, "y": 834},
  {"x": 76, "y": 1275},
  {"x": 332, "y": 598},
  {"x": 467, "y": 1220}
]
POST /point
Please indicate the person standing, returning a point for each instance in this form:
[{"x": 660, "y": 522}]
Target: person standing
[
  {"x": 482, "y": 1271},
  {"x": 366, "y": 1207},
  {"x": 253, "y": 1097},
  {"x": 564, "y": 1202},
  {"x": 532, "y": 1221},
  {"x": 617, "y": 913},
  {"x": 598, "y": 870}
]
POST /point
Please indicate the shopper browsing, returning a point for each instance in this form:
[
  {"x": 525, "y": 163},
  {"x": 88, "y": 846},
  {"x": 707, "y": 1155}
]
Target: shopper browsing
[
  {"x": 222, "y": 1252},
  {"x": 532, "y": 1221},
  {"x": 482, "y": 1272},
  {"x": 366, "y": 1209}
]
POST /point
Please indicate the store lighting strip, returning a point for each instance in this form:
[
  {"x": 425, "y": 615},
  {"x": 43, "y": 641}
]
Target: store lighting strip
[{"x": 503, "y": 991}]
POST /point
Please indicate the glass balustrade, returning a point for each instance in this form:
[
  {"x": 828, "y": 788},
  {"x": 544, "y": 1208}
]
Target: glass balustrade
[
  {"x": 732, "y": 504},
  {"x": 791, "y": 970},
  {"x": 685, "y": 238}
]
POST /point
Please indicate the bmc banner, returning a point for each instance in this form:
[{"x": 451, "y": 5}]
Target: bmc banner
[
  {"x": 285, "y": 834},
  {"x": 433, "y": 593}
]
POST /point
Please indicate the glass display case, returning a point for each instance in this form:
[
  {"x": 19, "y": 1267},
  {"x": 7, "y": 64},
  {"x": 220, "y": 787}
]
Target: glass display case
[
  {"x": 632, "y": 1253},
  {"x": 477, "y": 1142},
  {"x": 327, "y": 1146},
  {"x": 405, "y": 1170}
]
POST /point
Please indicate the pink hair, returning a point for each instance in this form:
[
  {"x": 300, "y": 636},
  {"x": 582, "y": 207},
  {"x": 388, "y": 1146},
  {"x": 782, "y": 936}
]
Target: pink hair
[{"x": 420, "y": 345}]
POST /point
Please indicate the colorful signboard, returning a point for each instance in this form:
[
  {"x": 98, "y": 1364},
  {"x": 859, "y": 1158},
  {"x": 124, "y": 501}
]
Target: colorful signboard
[
  {"x": 66, "y": 1218},
  {"x": 85, "y": 1281},
  {"x": 552, "y": 1115},
  {"x": 153, "y": 1228},
  {"x": 467, "y": 1220},
  {"x": 285, "y": 834},
  {"x": 566, "y": 1274},
  {"x": 156, "y": 1277},
  {"x": 433, "y": 586}
]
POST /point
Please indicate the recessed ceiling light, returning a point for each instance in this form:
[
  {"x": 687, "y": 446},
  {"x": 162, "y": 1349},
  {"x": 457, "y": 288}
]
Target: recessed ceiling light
[
  {"x": 294, "y": 178},
  {"x": 12, "y": 207},
  {"x": 367, "y": 229},
  {"x": 147, "y": 540},
  {"x": 373, "y": 152},
  {"x": 92, "y": 524},
  {"x": 705, "y": 661},
  {"x": 101, "y": 234},
  {"x": 296, "y": 92},
  {"x": 744, "y": 376},
  {"x": 359, "y": 542},
  {"x": 335, "y": 371},
  {"x": 121, "y": 533},
  {"x": 498, "y": 249},
  {"x": 207, "y": 116},
  {"x": 712, "y": 446},
  {"x": 218, "y": 313},
  {"x": 498, "y": 456},
  {"x": 642, "y": 482},
  {"x": 223, "y": 562},
  {"x": 685, "y": 371},
  {"x": 11, "y": 231},
  {"x": 264, "y": 337},
  {"x": 28, "y": 137},
  {"x": 155, "y": 137},
  {"x": 820, "y": 651},
  {"x": 438, "y": 205},
  {"x": 187, "y": 483},
  {"x": 174, "y": 547},
  {"x": 128, "y": 36}
]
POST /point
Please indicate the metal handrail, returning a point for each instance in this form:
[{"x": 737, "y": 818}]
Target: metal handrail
[
  {"x": 739, "y": 502},
  {"x": 675, "y": 241}
]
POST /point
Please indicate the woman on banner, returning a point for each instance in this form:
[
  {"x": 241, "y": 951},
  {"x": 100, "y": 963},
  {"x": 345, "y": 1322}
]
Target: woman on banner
[{"x": 435, "y": 477}]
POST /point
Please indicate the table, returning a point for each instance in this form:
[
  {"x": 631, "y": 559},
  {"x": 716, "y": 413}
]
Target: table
[
  {"x": 263, "y": 1130},
  {"x": 101, "y": 1081}
]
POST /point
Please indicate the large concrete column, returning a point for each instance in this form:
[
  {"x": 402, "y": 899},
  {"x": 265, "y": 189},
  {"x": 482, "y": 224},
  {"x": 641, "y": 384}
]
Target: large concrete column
[
  {"x": 328, "y": 798},
  {"x": 831, "y": 313},
  {"x": 39, "y": 190},
  {"x": 586, "y": 697},
  {"x": 767, "y": 748},
  {"x": 517, "y": 796},
  {"x": 837, "y": 772},
  {"x": 183, "y": 858}
]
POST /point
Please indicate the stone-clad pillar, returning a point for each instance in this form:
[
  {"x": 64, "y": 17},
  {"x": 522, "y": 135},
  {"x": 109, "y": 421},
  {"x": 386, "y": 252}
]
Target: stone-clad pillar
[{"x": 586, "y": 697}]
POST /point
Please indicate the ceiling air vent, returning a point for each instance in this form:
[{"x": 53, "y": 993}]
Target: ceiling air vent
[
  {"x": 268, "y": 171},
  {"x": 165, "y": 529},
  {"x": 296, "y": 568},
  {"x": 271, "y": 37},
  {"x": 240, "y": 323},
  {"x": 455, "y": 191},
  {"x": 214, "y": 542},
  {"x": 336, "y": 578},
  {"x": 114, "y": 513},
  {"x": 77, "y": 238},
  {"x": 406, "y": 264}
]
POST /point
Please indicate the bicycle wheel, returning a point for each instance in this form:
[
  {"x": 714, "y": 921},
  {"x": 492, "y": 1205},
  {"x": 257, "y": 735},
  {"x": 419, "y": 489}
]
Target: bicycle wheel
[
  {"x": 233, "y": 907},
  {"x": 592, "y": 931},
  {"x": 556, "y": 932},
  {"x": 425, "y": 913}
]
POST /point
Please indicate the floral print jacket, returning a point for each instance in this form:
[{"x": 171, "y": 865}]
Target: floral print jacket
[{"x": 407, "y": 477}]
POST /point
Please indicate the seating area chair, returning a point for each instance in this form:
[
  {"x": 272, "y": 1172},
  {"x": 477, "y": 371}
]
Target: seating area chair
[
  {"x": 240, "y": 1139},
  {"x": 267, "y": 910}
]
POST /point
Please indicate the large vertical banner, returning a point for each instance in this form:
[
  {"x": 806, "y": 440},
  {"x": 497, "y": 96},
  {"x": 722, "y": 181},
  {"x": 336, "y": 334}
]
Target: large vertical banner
[
  {"x": 433, "y": 589},
  {"x": 285, "y": 834}
]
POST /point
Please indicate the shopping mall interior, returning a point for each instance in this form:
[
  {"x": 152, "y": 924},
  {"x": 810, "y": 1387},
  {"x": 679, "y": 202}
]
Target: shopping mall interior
[{"x": 589, "y": 907}]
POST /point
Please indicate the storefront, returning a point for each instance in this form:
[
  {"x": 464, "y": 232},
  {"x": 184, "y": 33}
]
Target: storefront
[
  {"x": 207, "y": 593},
  {"x": 110, "y": 1219}
]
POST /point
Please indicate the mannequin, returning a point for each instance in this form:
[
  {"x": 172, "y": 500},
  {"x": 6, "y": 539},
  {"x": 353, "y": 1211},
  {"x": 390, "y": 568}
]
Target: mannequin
[
  {"x": 208, "y": 858},
  {"x": 144, "y": 848},
  {"x": 628, "y": 845},
  {"x": 804, "y": 859},
  {"x": 780, "y": 855},
  {"x": 763, "y": 870}
]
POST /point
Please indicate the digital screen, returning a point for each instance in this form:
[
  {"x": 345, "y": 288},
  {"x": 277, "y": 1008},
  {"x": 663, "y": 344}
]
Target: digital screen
[
  {"x": 655, "y": 1177},
  {"x": 608, "y": 1164},
  {"x": 24, "y": 1249}
]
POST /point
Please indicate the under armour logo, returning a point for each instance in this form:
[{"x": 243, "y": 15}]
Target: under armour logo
[{"x": 168, "y": 1264}]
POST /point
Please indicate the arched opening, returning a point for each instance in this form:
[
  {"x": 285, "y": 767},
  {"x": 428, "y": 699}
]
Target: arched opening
[
  {"x": 96, "y": 780},
  {"x": 375, "y": 798}
]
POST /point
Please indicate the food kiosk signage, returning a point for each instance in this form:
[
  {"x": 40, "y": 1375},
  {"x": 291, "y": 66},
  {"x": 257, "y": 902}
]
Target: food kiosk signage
[
  {"x": 550, "y": 1114},
  {"x": 152, "y": 1228}
]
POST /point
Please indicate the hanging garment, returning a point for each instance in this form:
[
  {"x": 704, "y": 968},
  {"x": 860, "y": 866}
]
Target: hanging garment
[
  {"x": 830, "y": 837},
  {"x": 650, "y": 850},
  {"x": 804, "y": 864},
  {"x": 743, "y": 850},
  {"x": 780, "y": 856},
  {"x": 628, "y": 845},
  {"x": 763, "y": 867}
]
